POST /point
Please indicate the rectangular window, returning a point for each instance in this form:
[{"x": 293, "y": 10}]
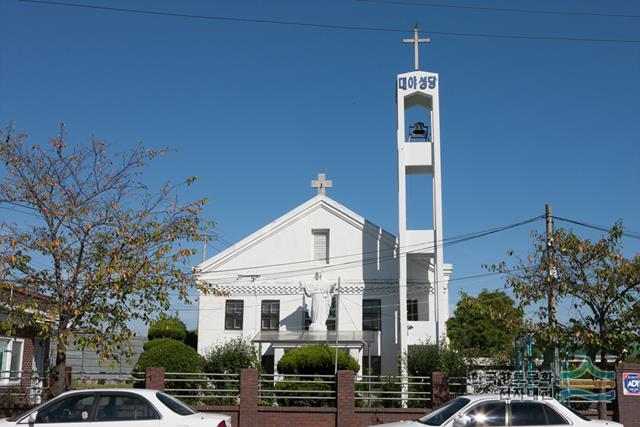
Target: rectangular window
[
  {"x": 412, "y": 310},
  {"x": 321, "y": 245},
  {"x": 233, "y": 314},
  {"x": 270, "y": 315},
  {"x": 371, "y": 314},
  {"x": 331, "y": 319},
  {"x": 10, "y": 359}
]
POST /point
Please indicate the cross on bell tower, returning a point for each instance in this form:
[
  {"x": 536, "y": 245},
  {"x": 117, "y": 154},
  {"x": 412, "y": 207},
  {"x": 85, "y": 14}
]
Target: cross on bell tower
[{"x": 416, "y": 40}]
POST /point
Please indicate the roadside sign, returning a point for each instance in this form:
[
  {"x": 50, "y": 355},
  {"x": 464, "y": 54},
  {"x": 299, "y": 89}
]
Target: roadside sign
[{"x": 631, "y": 383}]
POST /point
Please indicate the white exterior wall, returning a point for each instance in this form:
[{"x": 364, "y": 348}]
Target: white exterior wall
[{"x": 361, "y": 254}]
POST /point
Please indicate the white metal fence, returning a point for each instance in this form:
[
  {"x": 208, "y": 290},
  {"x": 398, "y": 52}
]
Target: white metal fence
[{"x": 297, "y": 390}]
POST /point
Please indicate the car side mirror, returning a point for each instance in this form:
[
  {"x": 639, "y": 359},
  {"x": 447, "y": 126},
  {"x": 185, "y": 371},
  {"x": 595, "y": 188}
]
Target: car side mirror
[
  {"x": 32, "y": 417},
  {"x": 461, "y": 421}
]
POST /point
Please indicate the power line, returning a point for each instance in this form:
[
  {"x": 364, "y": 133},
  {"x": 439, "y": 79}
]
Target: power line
[
  {"x": 364, "y": 262},
  {"x": 20, "y": 212},
  {"x": 627, "y": 233},
  {"x": 418, "y": 246},
  {"x": 500, "y": 9},
  {"x": 327, "y": 26}
]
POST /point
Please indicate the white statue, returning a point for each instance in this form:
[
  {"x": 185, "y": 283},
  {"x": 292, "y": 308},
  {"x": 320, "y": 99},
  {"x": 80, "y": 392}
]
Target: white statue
[{"x": 320, "y": 292}]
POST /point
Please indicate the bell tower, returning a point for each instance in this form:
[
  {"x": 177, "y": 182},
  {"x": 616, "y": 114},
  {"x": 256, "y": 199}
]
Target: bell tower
[{"x": 423, "y": 297}]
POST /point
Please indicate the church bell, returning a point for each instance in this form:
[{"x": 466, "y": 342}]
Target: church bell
[{"x": 418, "y": 130}]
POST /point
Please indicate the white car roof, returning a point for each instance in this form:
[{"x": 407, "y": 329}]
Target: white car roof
[
  {"x": 474, "y": 397},
  {"x": 140, "y": 391}
]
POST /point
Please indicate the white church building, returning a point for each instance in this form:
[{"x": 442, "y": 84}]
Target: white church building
[{"x": 386, "y": 292}]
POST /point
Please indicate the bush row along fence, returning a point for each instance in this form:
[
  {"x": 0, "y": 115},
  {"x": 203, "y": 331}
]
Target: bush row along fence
[
  {"x": 200, "y": 389},
  {"x": 252, "y": 399}
]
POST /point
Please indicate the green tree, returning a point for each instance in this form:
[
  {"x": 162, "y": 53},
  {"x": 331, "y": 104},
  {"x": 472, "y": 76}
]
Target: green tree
[
  {"x": 102, "y": 247},
  {"x": 601, "y": 286},
  {"x": 486, "y": 325}
]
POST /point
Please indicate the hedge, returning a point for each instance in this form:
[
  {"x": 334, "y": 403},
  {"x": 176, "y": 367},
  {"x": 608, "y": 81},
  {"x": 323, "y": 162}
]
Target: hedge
[
  {"x": 169, "y": 327},
  {"x": 316, "y": 359}
]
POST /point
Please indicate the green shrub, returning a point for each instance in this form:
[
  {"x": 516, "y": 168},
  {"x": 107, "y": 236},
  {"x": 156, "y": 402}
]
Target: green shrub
[
  {"x": 173, "y": 356},
  {"x": 293, "y": 385},
  {"x": 230, "y": 357},
  {"x": 392, "y": 392},
  {"x": 385, "y": 395},
  {"x": 168, "y": 327},
  {"x": 152, "y": 343},
  {"x": 318, "y": 359},
  {"x": 424, "y": 359}
]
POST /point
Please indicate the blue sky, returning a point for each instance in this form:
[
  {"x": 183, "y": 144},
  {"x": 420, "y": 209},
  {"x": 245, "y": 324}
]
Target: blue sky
[{"x": 256, "y": 110}]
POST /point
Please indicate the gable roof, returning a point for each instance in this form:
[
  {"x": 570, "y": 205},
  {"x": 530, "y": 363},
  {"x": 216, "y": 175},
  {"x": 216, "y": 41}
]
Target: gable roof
[{"x": 319, "y": 201}]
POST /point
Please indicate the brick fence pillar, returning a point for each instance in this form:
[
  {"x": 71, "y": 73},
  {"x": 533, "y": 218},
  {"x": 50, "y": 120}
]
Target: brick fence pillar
[
  {"x": 439, "y": 388},
  {"x": 345, "y": 398},
  {"x": 154, "y": 378},
  {"x": 248, "y": 415},
  {"x": 627, "y": 407},
  {"x": 27, "y": 359}
]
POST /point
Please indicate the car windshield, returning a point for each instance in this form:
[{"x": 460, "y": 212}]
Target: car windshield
[
  {"x": 443, "y": 413},
  {"x": 175, "y": 405}
]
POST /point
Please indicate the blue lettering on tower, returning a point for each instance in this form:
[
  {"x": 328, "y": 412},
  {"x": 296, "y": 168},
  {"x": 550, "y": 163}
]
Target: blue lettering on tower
[{"x": 413, "y": 82}]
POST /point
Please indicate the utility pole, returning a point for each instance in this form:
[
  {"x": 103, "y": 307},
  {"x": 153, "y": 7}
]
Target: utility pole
[
  {"x": 550, "y": 356},
  {"x": 204, "y": 248}
]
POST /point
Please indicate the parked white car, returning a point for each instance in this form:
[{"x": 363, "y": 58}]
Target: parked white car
[
  {"x": 496, "y": 411},
  {"x": 117, "y": 408}
]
